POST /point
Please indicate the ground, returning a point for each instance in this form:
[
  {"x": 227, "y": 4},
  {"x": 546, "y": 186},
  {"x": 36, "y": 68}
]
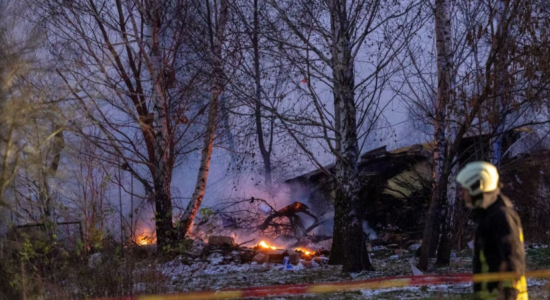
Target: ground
[{"x": 200, "y": 276}]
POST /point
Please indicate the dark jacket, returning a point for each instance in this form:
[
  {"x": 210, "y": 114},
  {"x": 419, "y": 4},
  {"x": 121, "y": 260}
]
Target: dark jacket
[{"x": 498, "y": 247}]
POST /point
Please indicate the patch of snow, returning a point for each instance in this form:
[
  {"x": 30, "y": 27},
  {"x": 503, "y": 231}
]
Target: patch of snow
[
  {"x": 535, "y": 245},
  {"x": 216, "y": 258},
  {"x": 94, "y": 260},
  {"x": 227, "y": 269},
  {"x": 414, "y": 247},
  {"x": 535, "y": 282},
  {"x": 369, "y": 231},
  {"x": 446, "y": 288},
  {"x": 197, "y": 247},
  {"x": 416, "y": 271}
]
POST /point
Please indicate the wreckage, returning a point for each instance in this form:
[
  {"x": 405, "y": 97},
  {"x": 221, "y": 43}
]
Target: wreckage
[
  {"x": 291, "y": 213},
  {"x": 224, "y": 249},
  {"x": 396, "y": 188},
  {"x": 395, "y": 181}
]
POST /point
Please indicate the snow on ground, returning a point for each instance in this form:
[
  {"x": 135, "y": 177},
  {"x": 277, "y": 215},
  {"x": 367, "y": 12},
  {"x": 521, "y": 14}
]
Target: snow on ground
[{"x": 220, "y": 272}]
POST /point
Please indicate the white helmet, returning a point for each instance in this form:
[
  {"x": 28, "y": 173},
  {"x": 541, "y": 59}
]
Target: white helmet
[{"x": 478, "y": 177}]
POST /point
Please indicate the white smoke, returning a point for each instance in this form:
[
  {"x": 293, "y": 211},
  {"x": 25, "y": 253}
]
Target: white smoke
[{"x": 369, "y": 231}]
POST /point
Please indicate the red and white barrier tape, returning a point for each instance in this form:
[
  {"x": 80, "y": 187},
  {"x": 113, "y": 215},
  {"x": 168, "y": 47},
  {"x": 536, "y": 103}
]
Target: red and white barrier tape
[{"x": 331, "y": 287}]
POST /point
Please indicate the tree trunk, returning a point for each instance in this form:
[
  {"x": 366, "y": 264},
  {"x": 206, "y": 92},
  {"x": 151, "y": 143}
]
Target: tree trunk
[
  {"x": 266, "y": 154},
  {"x": 216, "y": 90},
  {"x": 162, "y": 171},
  {"x": 347, "y": 222},
  {"x": 163, "y": 214},
  {"x": 443, "y": 43},
  {"x": 452, "y": 225},
  {"x": 48, "y": 208},
  {"x": 499, "y": 113},
  {"x": 338, "y": 248},
  {"x": 444, "y": 247},
  {"x": 436, "y": 232}
]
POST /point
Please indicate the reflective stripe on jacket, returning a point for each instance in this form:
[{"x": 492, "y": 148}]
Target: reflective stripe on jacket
[{"x": 498, "y": 247}]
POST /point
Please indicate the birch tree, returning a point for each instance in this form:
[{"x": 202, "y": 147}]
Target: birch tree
[
  {"x": 216, "y": 22},
  {"x": 325, "y": 40},
  {"x": 444, "y": 65},
  {"x": 125, "y": 65}
]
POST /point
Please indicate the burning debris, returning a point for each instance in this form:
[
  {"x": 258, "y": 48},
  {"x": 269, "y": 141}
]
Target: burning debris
[
  {"x": 221, "y": 250},
  {"x": 266, "y": 246},
  {"x": 286, "y": 238},
  {"x": 291, "y": 213},
  {"x": 144, "y": 240},
  {"x": 299, "y": 257}
]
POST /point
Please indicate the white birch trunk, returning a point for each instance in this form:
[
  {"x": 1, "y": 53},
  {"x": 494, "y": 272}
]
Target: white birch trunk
[
  {"x": 443, "y": 44},
  {"x": 216, "y": 90}
]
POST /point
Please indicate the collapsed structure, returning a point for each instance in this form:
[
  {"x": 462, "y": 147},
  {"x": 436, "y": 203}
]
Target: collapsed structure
[
  {"x": 396, "y": 185},
  {"x": 397, "y": 181}
]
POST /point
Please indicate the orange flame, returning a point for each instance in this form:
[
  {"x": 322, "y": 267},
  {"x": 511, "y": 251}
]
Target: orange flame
[
  {"x": 144, "y": 240},
  {"x": 263, "y": 244},
  {"x": 306, "y": 252}
]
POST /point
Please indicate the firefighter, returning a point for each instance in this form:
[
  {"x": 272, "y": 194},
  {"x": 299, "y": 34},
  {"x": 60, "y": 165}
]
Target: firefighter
[{"x": 498, "y": 241}]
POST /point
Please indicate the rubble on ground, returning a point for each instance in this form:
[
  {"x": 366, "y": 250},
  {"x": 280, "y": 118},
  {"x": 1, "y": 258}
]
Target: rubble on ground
[
  {"x": 305, "y": 253},
  {"x": 221, "y": 255},
  {"x": 220, "y": 240},
  {"x": 223, "y": 266}
]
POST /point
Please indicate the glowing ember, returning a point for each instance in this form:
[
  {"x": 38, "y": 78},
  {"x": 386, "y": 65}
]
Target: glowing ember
[
  {"x": 303, "y": 251},
  {"x": 265, "y": 245},
  {"x": 144, "y": 240}
]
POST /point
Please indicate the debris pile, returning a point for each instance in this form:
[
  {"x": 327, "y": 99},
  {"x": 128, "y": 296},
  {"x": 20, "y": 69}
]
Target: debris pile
[
  {"x": 297, "y": 258},
  {"x": 222, "y": 250}
]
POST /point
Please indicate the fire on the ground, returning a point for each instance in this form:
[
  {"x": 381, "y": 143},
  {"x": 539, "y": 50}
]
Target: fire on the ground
[{"x": 265, "y": 252}]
